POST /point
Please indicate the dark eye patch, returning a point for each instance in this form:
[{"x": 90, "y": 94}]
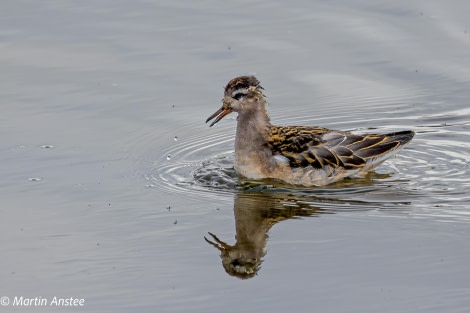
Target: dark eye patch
[
  {"x": 239, "y": 93},
  {"x": 239, "y": 96}
]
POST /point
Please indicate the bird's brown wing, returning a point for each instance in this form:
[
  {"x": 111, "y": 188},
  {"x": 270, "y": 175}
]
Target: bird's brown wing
[{"x": 319, "y": 147}]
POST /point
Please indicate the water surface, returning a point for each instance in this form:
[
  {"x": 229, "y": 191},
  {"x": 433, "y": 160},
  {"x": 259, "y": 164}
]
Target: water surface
[{"x": 111, "y": 180}]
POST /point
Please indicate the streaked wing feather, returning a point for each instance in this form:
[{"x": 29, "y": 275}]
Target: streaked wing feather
[
  {"x": 357, "y": 142},
  {"x": 318, "y": 147},
  {"x": 377, "y": 150},
  {"x": 297, "y": 144}
]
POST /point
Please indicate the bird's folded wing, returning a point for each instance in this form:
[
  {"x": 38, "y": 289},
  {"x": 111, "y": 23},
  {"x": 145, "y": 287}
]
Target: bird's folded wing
[{"x": 319, "y": 147}]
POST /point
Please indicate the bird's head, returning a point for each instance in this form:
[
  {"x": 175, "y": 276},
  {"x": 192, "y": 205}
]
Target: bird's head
[{"x": 239, "y": 95}]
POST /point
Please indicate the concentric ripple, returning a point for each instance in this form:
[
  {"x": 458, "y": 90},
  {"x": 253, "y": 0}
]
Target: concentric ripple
[{"x": 197, "y": 166}]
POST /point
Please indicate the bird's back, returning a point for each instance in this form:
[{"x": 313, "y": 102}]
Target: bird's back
[{"x": 314, "y": 153}]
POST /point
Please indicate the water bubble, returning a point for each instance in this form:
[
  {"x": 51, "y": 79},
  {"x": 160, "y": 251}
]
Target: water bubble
[
  {"x": 168, "y": 157},
  {"x": 47, "y": 146},
  {"x": 175, "y": 138}
]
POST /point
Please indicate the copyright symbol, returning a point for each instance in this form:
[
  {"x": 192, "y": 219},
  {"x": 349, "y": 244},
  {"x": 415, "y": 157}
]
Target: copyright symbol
[{"x": 4, "y": 301}]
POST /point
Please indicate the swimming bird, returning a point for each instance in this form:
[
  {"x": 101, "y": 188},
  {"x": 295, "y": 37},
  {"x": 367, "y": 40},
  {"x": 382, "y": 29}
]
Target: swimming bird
[{"x": 298, "y": 155}]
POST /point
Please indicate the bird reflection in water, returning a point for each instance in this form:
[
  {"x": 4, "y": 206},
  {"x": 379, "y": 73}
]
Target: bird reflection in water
[{"x": 255, "y": 213}]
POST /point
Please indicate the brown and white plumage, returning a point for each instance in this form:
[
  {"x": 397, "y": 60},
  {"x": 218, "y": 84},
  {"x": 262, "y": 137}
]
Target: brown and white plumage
[{"x": 299, "y": 155}]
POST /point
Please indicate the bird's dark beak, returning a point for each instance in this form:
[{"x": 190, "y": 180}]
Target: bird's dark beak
[{"x": 223, "y": 111}]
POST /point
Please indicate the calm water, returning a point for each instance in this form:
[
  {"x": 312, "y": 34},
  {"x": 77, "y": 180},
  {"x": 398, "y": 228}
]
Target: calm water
[{"x": 111, "y": 181}]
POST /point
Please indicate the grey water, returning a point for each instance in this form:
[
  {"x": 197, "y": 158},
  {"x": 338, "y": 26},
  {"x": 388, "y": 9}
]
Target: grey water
[{"x": 113, "y": 190}]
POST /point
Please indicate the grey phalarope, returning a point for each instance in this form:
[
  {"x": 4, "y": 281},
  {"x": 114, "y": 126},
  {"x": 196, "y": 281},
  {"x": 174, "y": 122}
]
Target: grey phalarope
[{"x": 298, "y": 155}]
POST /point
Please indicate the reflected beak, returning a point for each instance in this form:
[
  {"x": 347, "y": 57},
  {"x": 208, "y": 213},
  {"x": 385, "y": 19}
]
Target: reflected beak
[{"x": 224, "y": 110}]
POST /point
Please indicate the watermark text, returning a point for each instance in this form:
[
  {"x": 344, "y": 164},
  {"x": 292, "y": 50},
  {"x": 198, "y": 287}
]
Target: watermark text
[{"x": 21, "y": 301}]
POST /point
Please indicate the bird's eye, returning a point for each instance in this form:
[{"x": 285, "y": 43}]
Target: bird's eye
[{"x": 239, "y": 94}]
